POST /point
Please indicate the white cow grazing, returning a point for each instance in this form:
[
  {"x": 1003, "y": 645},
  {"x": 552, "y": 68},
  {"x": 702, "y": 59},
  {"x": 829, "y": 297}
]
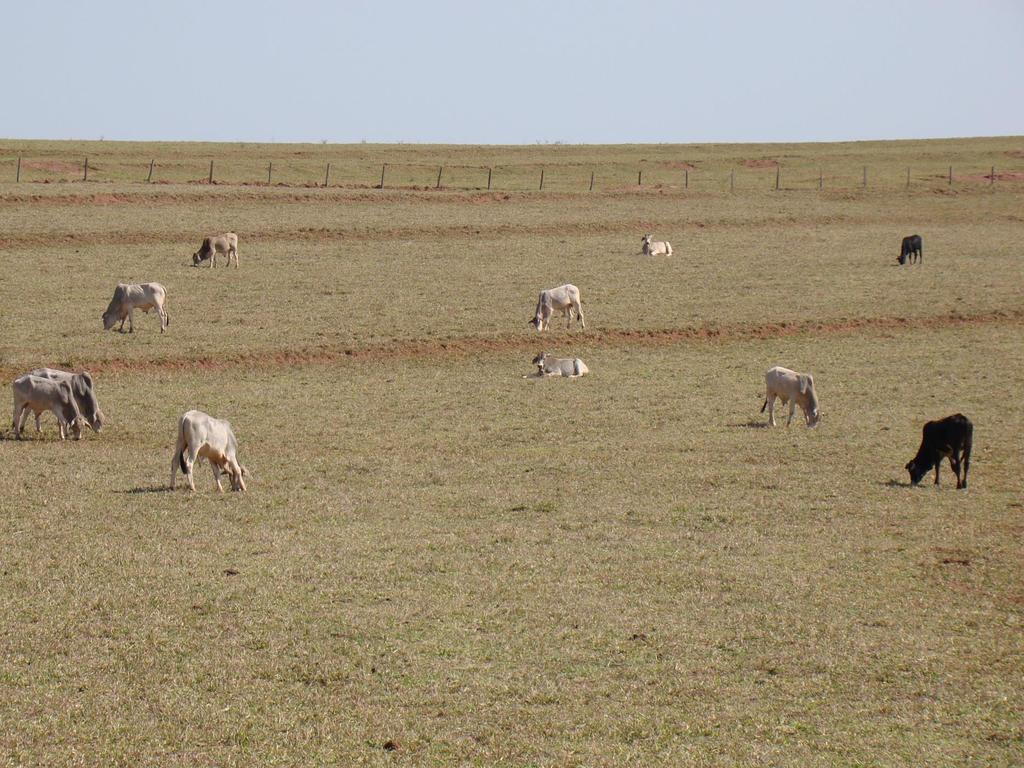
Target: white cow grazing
[
  {"x": 565, "y": 299},
  {"x": 214, "y": 244},
  {"x": 85, "y": 395},
  {"x": 201, "y": 435},
  {"x": 38, "y": 395},
  {"x": 131, "y": 296},
  {"x": 794, "y": 388},
  {"x": 570, "y": 367},
  {"x": 655, "y": 248}
]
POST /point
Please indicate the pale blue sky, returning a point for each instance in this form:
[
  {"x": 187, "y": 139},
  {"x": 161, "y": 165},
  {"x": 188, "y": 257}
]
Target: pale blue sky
[{"x": 511, "y": 72}]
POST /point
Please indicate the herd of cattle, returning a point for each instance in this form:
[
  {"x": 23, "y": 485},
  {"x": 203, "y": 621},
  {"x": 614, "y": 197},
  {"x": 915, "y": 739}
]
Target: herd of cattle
[{"x": 71, "y": 397}]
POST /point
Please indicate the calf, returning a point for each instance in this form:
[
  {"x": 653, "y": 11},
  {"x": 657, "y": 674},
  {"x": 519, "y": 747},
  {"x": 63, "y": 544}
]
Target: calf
[
  {"x": 131, "y": 296},
  {"x": 82, "y": 387},
  {"x": 214, "y": 244},
  {"x": 794, "y": 388},
  {"x": 570, "y": 367},
  {"x": 950, "y": 437},
  {"x": 201, "y": 435},
  {"x": 564, "y": 299},
  {"x": 654, "y": 248},
  {"x": 911, "y": 247},
  {"x": 38, "y": 394}
]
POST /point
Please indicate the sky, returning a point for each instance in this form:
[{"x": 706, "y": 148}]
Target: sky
[{"x": 514, "y": 72}]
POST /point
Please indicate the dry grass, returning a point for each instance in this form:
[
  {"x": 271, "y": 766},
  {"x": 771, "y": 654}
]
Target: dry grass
[{"x": 441, "y": 557}]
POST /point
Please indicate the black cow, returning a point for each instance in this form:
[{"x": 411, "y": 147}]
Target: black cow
[
  {"x": 950, "y": 437},
  {"x": 911, "y": 247}
]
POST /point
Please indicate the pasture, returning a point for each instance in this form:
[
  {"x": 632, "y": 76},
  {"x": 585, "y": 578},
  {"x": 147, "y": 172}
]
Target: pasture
[{"x": 439, "y": 562}]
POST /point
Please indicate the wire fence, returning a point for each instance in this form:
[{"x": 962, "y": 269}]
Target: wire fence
[{"x": 517, "y": 177}]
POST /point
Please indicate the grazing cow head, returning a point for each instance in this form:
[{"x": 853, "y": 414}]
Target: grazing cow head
[
  {"x": 109, "y": 318},
  {"x": 809, "y": 400},
  {"x": 205, "y": 252},
  {"x": 917, "y": 469},
  {"x": 81, "y": 385}
]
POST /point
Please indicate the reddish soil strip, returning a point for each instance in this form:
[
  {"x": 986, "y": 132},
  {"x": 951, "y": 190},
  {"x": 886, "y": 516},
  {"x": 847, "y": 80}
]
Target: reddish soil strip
[
  {"x": 472, "y": 345},
  {"x": 324, "y": 234},
  {"x": 1004, "y": 176},
  {"x": 279, "y": 195},
  {"x": 764, "y": 162}
]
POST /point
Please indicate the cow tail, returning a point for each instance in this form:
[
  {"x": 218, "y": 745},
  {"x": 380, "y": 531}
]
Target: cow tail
[
  {"x": 181, "y": 442},
  {"x": 765, "y": 405}
]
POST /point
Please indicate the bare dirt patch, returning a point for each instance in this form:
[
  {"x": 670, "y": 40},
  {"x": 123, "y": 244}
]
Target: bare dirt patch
[
  {"x": 764, "y": 162},
  {"x": 52, "y": 166}
]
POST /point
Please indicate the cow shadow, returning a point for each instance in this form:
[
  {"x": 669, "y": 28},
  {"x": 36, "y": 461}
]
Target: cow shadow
[
  {"x": 896, "y": 484},
  {"x": 750, "y": 424},
  {"x": 149, "y": 489}
]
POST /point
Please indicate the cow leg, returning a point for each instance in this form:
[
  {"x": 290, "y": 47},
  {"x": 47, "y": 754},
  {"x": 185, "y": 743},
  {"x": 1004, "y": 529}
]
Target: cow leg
[
  {"x": 131, "y": 320},
  {"x": 771, "y": 410},
  {"x": 954, "y": 463},
  {"x": 190, "y": 461},
  {"x": 792, "y": 410},
  {"x": 121, "y": 327},
  {"x": 38, "y": 428},
  {"x": 216, "y": 476},
  {"x": 16, "y": 419},
  {"x": 579, "y": 316},
  {"x": 937, "y": 465},
  {"x": 235, "y": 251}
]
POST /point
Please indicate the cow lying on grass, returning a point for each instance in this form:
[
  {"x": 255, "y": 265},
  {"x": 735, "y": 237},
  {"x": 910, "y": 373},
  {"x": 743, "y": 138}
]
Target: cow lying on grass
[
  {"x": 34, "y": 393},
  {"x": 949, "y": 437},
  {"x": 650, "y": 247},
  {"x": 564, "y": 299},
  {"x": 226, "y": 244},
  {"x": 201, "y": 435},
  {"x": 570, "y": 367},
  {"x": 82, "y": 388},
  {"x": 131, "y": 296},
  {"x": 794, "y": 388}
]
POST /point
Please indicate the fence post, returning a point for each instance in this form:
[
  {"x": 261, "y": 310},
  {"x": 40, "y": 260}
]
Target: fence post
[
  {"x": 639, "y": 178},
  {"x": 951, "y": 175},
  {"x": 777, "y": 169},
  {"x": 542, "y": 178},
  {"x": 865, "y": 182},
  {"x": 439, "y": 169},
  {"x": 210, "y": 179},
  {"x": 908, "y": 177},
  {"x": 992, "y": 176},
  {"x": 489, "y": 171},
  {"x": 821, "y": 179},
  {"x": 327, "y": 174},
  {"x": 382, "y": 169},
  {"x": 270, "y": 170},
  {"x": 85, "y": 170},
  {"x": 17, "y": 174},
  {"x": 732, "y": 180},
  {"x": 686, "y": 178},
  {"x": 149, "y": 178},
  {"x": 591, "y": 181}
]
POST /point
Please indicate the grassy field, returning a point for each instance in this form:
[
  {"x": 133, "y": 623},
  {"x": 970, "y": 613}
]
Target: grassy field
[{"x": 439, "y": 562}]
